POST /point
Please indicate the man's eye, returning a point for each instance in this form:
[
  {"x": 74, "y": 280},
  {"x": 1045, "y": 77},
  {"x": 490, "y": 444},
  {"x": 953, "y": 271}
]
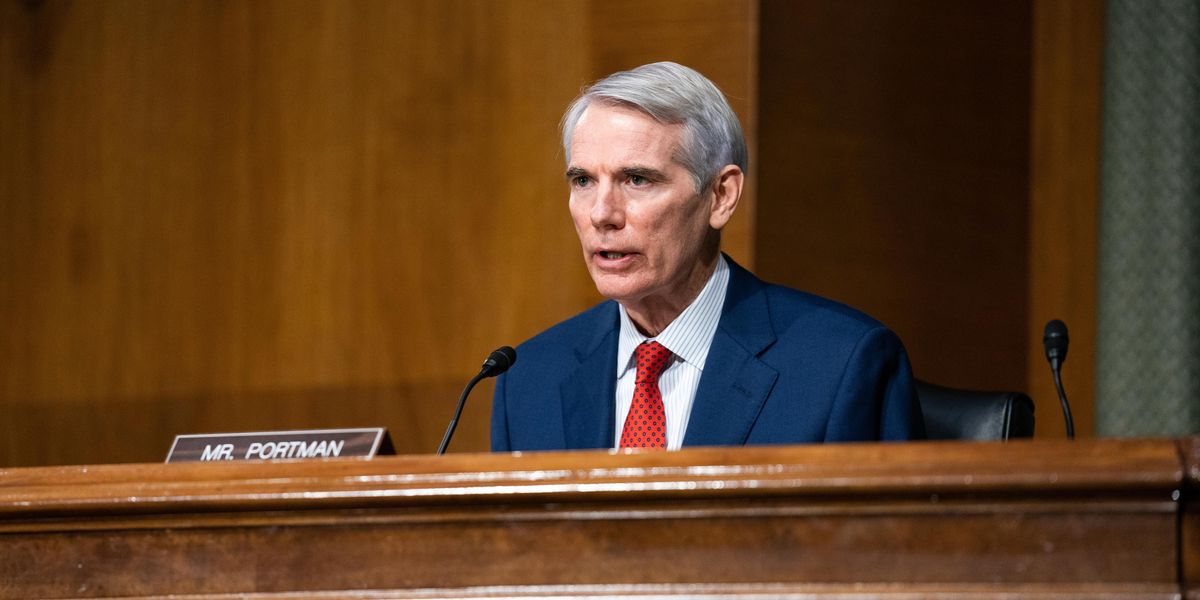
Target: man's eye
[
  {"x": 579, "y": 181},
  {"x": 638, "y": 180}
]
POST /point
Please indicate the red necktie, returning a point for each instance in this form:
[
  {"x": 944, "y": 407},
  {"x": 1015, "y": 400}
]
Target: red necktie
[{"x": 646, "y": 425}]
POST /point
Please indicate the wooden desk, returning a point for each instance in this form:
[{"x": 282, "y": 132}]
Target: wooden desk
[{"x": 1041, "y": 519}]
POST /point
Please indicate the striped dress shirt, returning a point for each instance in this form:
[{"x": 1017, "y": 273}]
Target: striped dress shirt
[{"x": 688, "y": 338}]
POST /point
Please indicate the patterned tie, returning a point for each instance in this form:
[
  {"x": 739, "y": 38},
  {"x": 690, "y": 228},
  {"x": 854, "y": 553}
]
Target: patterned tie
[{"x": 646, "y": 425}]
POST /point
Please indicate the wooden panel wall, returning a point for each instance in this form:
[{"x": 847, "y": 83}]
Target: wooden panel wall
[
  {"x": 934, "y": 162},
  {"x": 219, "y": 216},
  {"x": 894, "y": 172},
  {"x": 281, "y": 214},
  {"x": 1065, "y": 178}
]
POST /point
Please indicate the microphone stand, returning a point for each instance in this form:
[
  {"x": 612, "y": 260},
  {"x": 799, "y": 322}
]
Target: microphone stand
[
  {"x": 462, "y": 401},
  {"x": 497, "y": 362},
  {"x": 1062, "y": 399},
  {"x": 1056, "y": 341}
]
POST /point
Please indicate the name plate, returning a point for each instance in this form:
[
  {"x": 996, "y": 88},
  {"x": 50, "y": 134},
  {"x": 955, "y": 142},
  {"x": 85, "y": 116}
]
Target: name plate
[{"x": 281, "y": 445}]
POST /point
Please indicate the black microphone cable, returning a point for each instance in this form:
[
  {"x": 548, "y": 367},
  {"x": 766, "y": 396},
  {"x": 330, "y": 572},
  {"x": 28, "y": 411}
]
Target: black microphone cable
[
  {"x": 497, "y": 362},
  {"x": 1055, "y": 341}
]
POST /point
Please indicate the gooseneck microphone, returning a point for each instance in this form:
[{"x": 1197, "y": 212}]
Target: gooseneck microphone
[
  {"x": 497, "y": 362},
  {"x": 1055, "y": 341}
]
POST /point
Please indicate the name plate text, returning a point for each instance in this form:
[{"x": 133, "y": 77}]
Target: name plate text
[{"x": 281, "y": 445}]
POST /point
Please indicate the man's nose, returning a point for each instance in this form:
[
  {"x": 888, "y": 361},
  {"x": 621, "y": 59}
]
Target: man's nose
[{"x": 608, "y": 212}]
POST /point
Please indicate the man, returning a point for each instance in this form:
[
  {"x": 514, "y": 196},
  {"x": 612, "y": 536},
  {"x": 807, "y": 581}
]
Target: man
[{"x": 691, "y": 349}]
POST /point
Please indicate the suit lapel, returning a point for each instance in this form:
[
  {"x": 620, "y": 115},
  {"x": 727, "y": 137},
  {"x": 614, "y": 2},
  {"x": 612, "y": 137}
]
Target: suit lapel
[
  {"x": 735, "y": 383},
  {"x": 588, "y": 392}
]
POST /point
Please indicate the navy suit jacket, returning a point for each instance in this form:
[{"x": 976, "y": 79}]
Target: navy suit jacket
[{"x": 785, "y": 367}]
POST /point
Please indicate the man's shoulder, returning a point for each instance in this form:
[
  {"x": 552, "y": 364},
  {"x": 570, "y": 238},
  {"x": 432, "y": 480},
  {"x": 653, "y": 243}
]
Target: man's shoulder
[
  {"x": 578, "y": 333},
  {"x": 789, "y": 305},
  {"x": 793, "y": 310}
]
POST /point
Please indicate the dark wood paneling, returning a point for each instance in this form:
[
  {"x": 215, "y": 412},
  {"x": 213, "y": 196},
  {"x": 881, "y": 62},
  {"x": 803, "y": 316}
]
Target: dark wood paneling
[
  {"x": 1189, "y": 526},
  {"x": 212, "y": 203},
  {"x": 232, "y": 216},
  {"x": 894, "y": 172},
  {"x": 270, "y": 214},
  {"x": 1065, "y": 176}
]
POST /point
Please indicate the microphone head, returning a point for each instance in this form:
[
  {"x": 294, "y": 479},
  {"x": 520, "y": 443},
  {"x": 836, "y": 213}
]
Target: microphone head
[
  {"x": 1055, "y": 341},
  {"x": 499, "y": 361}
]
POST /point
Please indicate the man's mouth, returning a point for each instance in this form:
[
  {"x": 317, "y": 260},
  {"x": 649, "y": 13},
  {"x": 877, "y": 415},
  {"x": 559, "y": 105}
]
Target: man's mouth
[{"x": 611, "y": 255}]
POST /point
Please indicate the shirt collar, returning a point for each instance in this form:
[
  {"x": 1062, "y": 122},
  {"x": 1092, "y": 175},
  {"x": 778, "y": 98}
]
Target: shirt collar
[{"x": 690, "y": 335}]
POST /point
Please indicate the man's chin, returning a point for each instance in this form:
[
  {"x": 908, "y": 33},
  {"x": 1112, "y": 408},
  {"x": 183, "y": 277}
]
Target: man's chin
[{"x": 617, "y": 288}]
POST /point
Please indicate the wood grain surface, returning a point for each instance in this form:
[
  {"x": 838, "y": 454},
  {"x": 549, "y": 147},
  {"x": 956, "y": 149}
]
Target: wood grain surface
[
  {"x": 1065, "y": 179},
  {"x": 224, "y": 216},
  {"x": 1189, "y": 546},
  {"x": 895, "y": 173},
  {"x": 935, "y": 164},
  {"x": 286, "y": 214},
  {"x": 1037, "y": 519}
]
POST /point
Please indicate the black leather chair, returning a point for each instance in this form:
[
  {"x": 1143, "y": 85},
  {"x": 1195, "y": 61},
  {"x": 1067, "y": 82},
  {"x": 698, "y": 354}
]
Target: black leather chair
[{"x": 954, "y": 414}]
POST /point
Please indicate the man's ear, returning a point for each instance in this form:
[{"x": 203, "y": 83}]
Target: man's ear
[{"x": 726, "y": 190}]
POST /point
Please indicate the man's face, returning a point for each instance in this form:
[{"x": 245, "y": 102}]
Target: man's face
[{"x": 642, "y": 226}]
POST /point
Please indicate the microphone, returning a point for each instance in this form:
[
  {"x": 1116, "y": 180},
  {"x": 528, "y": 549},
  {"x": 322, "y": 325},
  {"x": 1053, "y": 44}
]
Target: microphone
[
  {"x": 1055, "y": 341},
  {"x": 497, "y": 362}
]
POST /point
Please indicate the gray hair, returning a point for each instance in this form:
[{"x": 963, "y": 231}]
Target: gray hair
[{"x": 674, "y": 94}]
